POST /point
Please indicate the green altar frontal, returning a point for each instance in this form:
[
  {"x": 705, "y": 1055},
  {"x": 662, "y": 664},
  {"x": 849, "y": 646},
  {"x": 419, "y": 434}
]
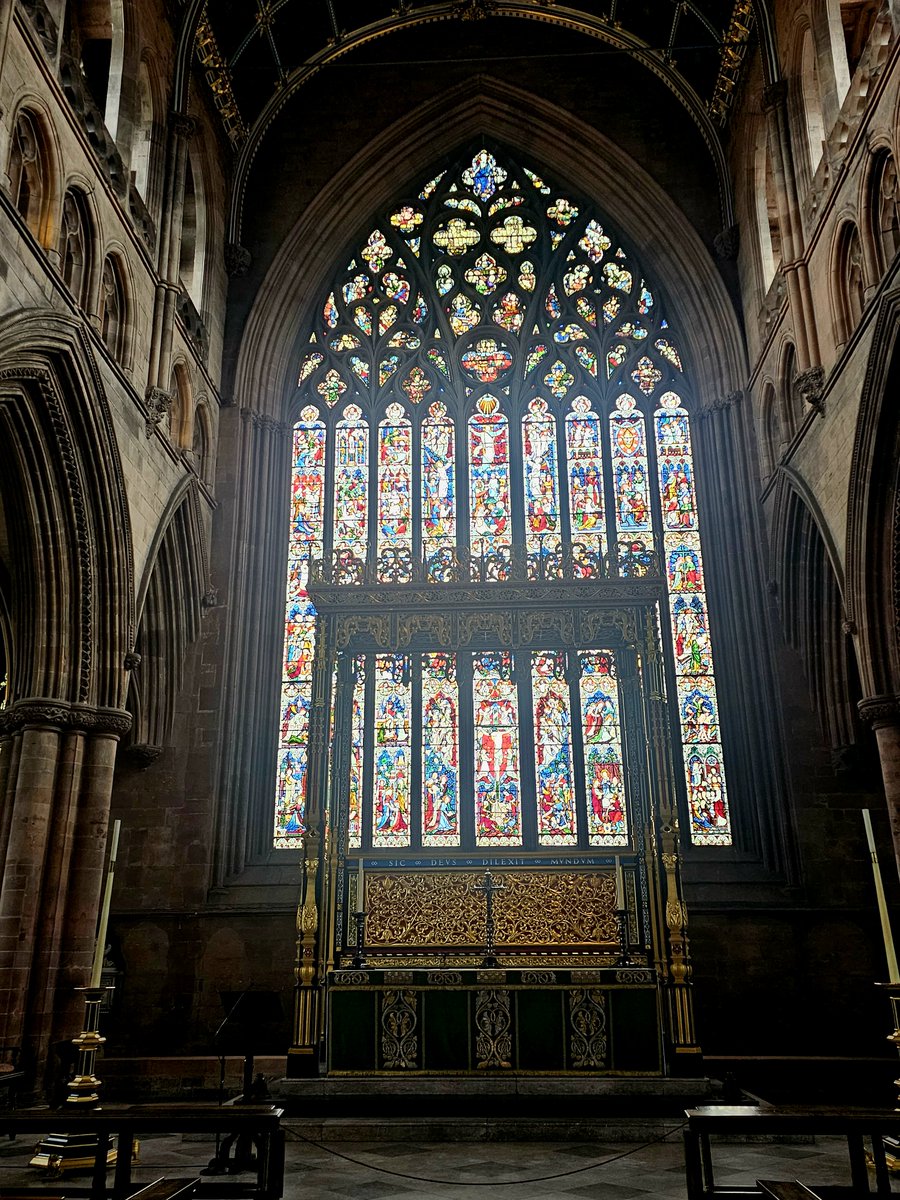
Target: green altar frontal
[{"x": 600, "y": 1022}]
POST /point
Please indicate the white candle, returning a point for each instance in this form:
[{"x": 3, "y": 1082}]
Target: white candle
[
  {"x": 620, "y": 887},
  {"x": 104, "y": 912},
  {"x": 893, "y": 971},
  {"x": 359, "y": 887}
]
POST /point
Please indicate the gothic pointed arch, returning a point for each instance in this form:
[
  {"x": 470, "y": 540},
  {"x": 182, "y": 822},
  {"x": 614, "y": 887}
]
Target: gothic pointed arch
[{"x": 73, "y": 598}]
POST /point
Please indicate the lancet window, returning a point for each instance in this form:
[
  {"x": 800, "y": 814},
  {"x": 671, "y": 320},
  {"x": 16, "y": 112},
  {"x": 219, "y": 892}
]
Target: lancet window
[{"x": 491, "y": 392}]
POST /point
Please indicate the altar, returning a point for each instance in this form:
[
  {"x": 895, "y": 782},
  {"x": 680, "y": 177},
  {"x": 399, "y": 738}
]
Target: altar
[{"x": 445, "y": 1021}]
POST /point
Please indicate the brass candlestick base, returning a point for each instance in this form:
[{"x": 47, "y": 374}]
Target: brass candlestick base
[{"x": 59, "y": 1152}]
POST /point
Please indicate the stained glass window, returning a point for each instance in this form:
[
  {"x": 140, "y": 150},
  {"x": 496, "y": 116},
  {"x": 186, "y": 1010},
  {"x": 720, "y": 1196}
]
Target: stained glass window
[
  {"x": 488, "y": 333},
  {"x": 584, "y": 450},
  {"x": 305, "y": 542},
  {"x": 440, "y": 751},
  {"x": 498, "y": 808},
  {"x": 602, "y": 740},
  {"x": 489, "y": 498},
  {"x": 438, "y": 492},
  {"x": 554, "y": 778},
  {"x": 543, "y": 543},
  {"x": 393, "y": 751},
  {"x": 357, "y": 752},
  {"x": 395, "y": 497},
  {"x": 351, "y": 494},
  {"x": 698, "y": 707}
]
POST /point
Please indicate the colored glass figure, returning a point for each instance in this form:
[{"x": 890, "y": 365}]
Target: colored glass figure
[
  {"x": 376, "y": 252},
  {"x": 360, "y": 369},
  {"x": 420, "y": 312},
  {"x": 586, "y": 310},
  {"x": 554, "y": 779},
  {"x": 543, "y": 545},
  {"x": 513, "y": 235},
  {"x": 311, "y": 361},
  {"x": 527, "y": 277},
  {"x": 610, "y": 309},
  {"x": 570, "y": 333},
  {"x": 444, "y": 279},
  {"x": 440, "y": 750},
  {"x": 558, "y": 379},
  {"x": 416, "y": 385},
  {"x": 386, "y": 317},
  {"x": 534, "y": 356},
  {"x": 498, "y": 810},
  {"x": 436, "y": 358},
  {"x": 456, "y": 236},
  {"x": 646, "y": 375},
  {"x": 305, "y": 542},
  {"x": 429, "y": 187},
  {"x": 584, "y": 454},
  {"x": 551, "y": 304},
  {"x": 484, "y": 176},
  {"x": 356, "y": 288},
  {"x": 405, "y": 339},
  {"x": 645, "y": 302},
  {"x": 562, "y": 212},
  {"x": 604, "y": 778},
  {"x": 487, "y": 360},
  {"x": 509, "y": 312},
  {"x": 345, "y": 341},
  {"x": 615, "y": 357},
  {"x": 395, "y": 287},
  {"x": 537, "y": 181},
  {"x": 363, "y": 319},
  {"x": 617, "y": 277},
  {"x": 407, "y": 219},
  {"x": 577, "y": 279},
  {"x": 330, "y": 312},
  {"x": 351, "y": 495},
  {"x": 489, "y": 500},
  {"x": 505, "y": 202},
  {"x": 393, "y": 748},
  {"x": 462, "y": 314},
  {"x": 438, "y": 493},
  {"x": 357, "y": 750},
  {"x": 331, "y": 388},
  {"x": 387, "y": 367},
  {"x": 668, "y": 351},
  {"x": 487, "y": 274},
  {"x": 588, "y": 360},
  {"x": 394, "y": 545},
  {"x": 697, "y": 702},
  {"x": 594, "y": 243},
  {"x": 631, "y": 488},
  {"x": 465, "y": 204}
]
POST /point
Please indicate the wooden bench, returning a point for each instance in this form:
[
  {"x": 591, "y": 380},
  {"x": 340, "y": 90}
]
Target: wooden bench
[
  {"x": 856, "y": 1125},
  {"x": 10, "y": 1075},
  {"x": 261, "y": 1122}
]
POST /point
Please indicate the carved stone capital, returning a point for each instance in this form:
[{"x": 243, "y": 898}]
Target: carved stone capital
[
  {"x": 183, "y": 125},
  {"x": 264, "y": 421},
  {"x": 727, "y": 243},
  {"x": 237, "y": 259},
  {"x": 142, "y": 755},
  {"x": 723, "y": 403},
  {"x": 59, "y": 714},
  {"x": 880, "y": 711},
  {"x": 774, "y": 94},
  {"x": 132, "y": 660},
  {"x": 210, "y": 597},
  {"x": 810, "y": 386},
  {"x": 158, "y": 401}
]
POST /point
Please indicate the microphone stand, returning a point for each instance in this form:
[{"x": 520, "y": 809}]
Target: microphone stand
[{"x": 216, "y": 1166}]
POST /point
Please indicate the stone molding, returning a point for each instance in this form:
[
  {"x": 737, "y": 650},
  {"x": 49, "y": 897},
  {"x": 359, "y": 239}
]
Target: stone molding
[
  {"x": 237, "y": 260},
  {"x": 59, "y": 714},
  {"x": 728, "y": 242},
  {"x": 264, "y": 421},
  {"x": 159, "y": 401},
  {"x": 183, "y": 125},
  {"x": 880, "y": 711},
  {"x": 143, "y": 755}
]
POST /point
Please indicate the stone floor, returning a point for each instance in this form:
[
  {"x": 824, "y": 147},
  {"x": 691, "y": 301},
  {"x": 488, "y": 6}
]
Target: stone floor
[{"x": 483, "y": 1170}]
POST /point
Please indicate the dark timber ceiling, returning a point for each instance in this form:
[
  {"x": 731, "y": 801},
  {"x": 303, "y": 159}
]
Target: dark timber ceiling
[{"x": 257, "y": 52}]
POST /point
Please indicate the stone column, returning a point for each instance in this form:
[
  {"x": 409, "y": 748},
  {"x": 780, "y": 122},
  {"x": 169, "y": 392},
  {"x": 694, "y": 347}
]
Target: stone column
[
  {"x": 883, "y": 714},
  {"x": 59, "y": 768}
]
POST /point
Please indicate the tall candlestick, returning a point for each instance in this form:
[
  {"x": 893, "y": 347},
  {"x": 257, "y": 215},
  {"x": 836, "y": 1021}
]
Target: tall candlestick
[
  {"x": 620, "y": 887},
  {"x": 893, "y": 971},
  {"x": 104, "y": 912},
  {"x": 359, "y": 887}
]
